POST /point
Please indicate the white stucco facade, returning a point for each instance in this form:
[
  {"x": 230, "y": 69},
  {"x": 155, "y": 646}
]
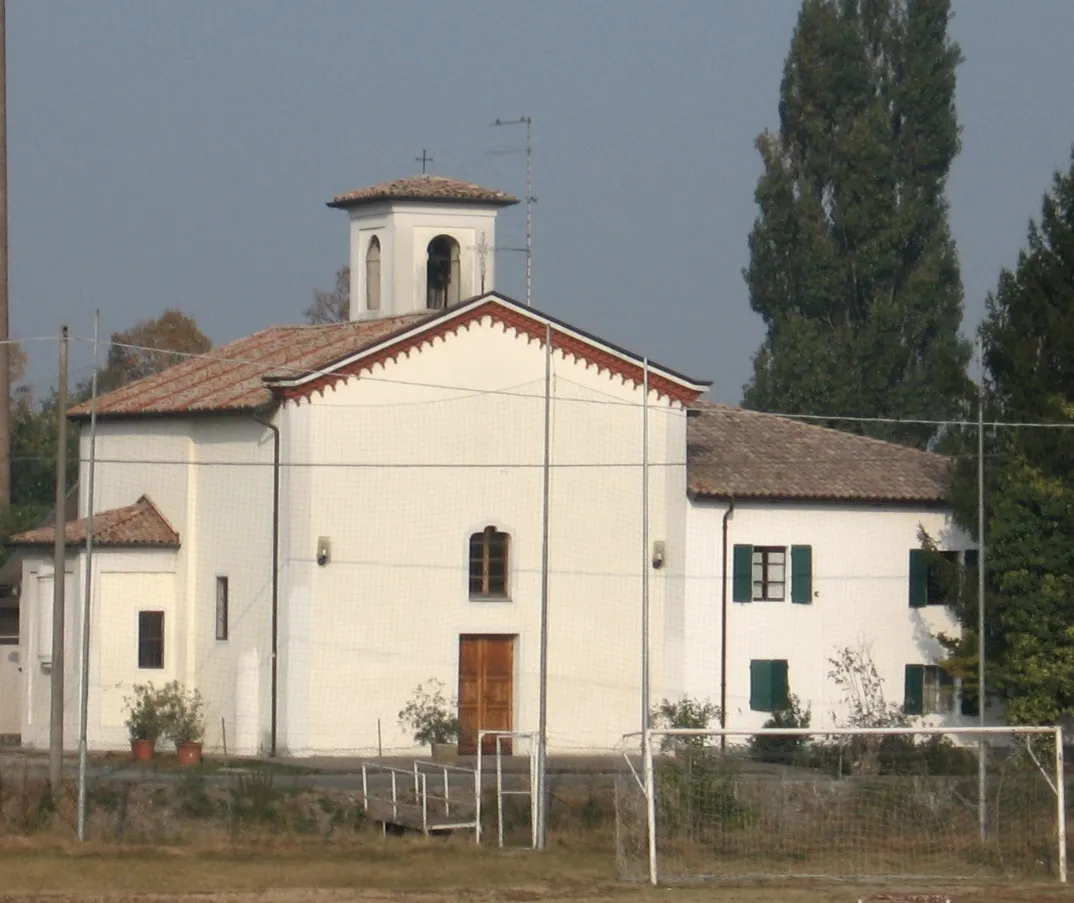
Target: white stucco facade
[
  {"x": 398, "y": 507},
  {"x": 860, "y": 600}
]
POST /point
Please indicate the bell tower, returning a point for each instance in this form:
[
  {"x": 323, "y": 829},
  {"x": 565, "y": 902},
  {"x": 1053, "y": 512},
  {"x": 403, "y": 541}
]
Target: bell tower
[{"x": 423, "y": 243}]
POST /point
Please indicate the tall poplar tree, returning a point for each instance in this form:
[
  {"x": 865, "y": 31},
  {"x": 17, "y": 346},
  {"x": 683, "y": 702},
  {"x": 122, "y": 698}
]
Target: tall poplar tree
[
  {"x": 852, "y": 263},
  {"x": 1028, "y": 343}
]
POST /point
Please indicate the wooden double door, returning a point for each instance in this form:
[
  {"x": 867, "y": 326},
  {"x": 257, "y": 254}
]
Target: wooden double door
[{"x": 486, "y": 690}]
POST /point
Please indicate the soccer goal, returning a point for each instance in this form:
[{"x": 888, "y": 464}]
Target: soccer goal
[{"x": 882, "y": 803}]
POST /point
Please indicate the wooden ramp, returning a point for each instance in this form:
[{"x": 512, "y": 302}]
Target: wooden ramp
[{"x": 411, "y": 817}]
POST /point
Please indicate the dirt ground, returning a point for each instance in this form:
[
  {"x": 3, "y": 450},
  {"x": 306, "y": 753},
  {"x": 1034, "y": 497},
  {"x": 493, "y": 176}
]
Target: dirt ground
[{"x": 392, "y": 870}]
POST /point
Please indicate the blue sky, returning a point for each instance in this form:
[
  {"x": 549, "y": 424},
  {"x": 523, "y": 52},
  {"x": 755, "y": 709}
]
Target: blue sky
[{"x": 180, "y": 154}]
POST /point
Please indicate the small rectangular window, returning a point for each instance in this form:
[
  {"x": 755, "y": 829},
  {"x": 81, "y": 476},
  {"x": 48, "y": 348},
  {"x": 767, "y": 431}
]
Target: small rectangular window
[
  {"x": 943, "y": 579},
  {"x": 9, "y": 626},
  {"x": 769, "y": 573},
  {"x": 930, "y": 690},
  {"x": 939, "y": 691},
  {"x": 221, "y": 608},
  {"x": 150, "y": 639},
  {"x": 934, "y": 577}
]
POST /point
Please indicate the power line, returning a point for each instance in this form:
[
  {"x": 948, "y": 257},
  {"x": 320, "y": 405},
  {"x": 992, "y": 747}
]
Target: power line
[{"x": 472, "y": 392}]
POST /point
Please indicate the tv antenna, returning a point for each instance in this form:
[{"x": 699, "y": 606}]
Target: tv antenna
[{"x": 527, "y": 121}]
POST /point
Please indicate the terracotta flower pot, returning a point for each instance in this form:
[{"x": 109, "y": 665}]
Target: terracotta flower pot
[
  {"x": 445, "y": 752},
  {"x": 188, "y": 753},
  {"x": 142, "y": 750}
]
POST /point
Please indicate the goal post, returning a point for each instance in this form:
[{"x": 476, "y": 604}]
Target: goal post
[{"x": 897, "y": 802}]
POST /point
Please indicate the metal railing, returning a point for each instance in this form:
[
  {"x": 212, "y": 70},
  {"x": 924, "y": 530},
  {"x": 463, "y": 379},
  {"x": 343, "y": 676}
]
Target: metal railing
[
  {"x": 531, "y": 791},
  {"x": 404, "y": 797},
  {"x": 440, "y": 794}
]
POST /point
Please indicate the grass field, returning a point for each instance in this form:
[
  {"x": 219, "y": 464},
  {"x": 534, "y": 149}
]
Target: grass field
[{"x": 391, "y": 869}]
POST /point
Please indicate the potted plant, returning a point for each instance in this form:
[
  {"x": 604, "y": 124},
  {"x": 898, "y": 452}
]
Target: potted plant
[
  {"x": 145, "y": 720},
  {"x": 184, "y": 722},
  {"x": 432, "y": 720}
]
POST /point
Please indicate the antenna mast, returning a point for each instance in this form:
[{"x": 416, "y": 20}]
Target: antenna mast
[{"x": 530, "y": 199}]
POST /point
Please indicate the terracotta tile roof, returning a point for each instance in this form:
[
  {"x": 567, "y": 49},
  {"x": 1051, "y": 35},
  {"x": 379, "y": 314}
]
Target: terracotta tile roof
[
  {"x": 734, "y": 453},
  {"x": 231, "y": 378},
  {"x": 424, "y": 188},
  {"x": 140, "y": 524}
]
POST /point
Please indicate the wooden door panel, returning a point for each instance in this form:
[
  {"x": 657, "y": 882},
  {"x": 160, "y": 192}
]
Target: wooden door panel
[{"x": 486, "y": 690}]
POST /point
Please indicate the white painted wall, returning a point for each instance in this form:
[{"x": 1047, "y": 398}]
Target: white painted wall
[
  {"x": 35, "y": 641},
  {"x": 229, "y": 534},
  {"x": 861, "y": 597},
  {"x": 405, "y": 469},
  {"x": 404, "y": 231},
  {"x": 125, "y": 582},
  {"x": 10, "y": 668},
  {"x": 212, "y": 479}
]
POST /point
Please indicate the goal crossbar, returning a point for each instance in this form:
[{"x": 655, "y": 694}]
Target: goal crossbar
[{"x": 846, "y": 731}]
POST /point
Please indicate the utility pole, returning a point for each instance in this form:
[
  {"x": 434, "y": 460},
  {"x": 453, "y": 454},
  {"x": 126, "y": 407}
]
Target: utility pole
[
  {"x": 5, "y": 348},
  {"x": 982, "y": 764},
  {"x": 87, "y": 596},
  {"x": 55, "y": 757},
  {"x": 530, "y": 199}
]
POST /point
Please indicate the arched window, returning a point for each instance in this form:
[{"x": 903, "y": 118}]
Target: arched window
[
  {"x": 442, "y": 273},
  {"x": 488, "y": 564},
  {"x": 372, "y": 274}
]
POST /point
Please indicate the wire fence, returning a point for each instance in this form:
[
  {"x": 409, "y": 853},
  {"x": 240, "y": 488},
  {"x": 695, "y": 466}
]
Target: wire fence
[{"x": 237, "y": 800}]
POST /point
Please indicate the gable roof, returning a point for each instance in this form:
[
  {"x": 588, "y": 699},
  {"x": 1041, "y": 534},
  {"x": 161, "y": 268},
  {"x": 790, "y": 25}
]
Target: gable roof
[
  {"x": 294, "y": 362},
  {"x": 231, "y": 378},
  {"x": 427, "y": 189},
  {"x": 739, "y": 454},
  {"x": 140, "y": 524}
]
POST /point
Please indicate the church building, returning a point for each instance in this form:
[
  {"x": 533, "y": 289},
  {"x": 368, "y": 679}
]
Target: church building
[{"x": 307, "y": 524}]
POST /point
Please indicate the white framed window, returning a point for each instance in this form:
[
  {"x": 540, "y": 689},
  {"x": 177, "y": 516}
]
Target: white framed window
[{"x": 769, "y": 573}]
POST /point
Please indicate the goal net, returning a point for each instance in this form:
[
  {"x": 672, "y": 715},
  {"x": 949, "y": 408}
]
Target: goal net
[{"x": 881, "y": 803}]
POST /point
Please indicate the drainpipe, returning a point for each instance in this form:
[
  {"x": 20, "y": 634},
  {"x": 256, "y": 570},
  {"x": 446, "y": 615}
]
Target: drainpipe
[
  {"x": 723, "y": 629},
  {"x": 260, "y": 417}
]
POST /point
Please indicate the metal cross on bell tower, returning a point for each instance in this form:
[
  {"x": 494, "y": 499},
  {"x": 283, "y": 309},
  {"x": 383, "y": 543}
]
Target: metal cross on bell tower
[{"x": 424, "y": 160}]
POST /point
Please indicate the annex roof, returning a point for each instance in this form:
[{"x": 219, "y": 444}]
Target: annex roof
[
  {"x": 294, "y": 362},
  {"x": 140, "y": 524},
  {"x": 424, "y": 188},
  {"x": 740, "y": 454}
]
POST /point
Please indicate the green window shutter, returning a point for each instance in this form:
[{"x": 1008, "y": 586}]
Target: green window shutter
[
  {"x": 742, "y": 583},
  {"x": 802, "y": 574},
  {"x": 972, "y": 556},
  {"x": 780, "y": 689},
  {"x": 914, "y": 702},
  {"x": 760, "y": 686},
  {"x": 919, "y": 578}
]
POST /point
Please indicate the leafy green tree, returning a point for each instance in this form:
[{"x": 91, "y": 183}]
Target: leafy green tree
[
  {"x": 852, "y": 264},
  {"x": 1028, "y": 350}
]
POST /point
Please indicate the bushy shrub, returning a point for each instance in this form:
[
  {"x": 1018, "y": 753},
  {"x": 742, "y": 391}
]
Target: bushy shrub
[
  {"x": 685, "y": 713},
  {"x": 430, "y": 716},
  {"x": 783, "y": 750}
]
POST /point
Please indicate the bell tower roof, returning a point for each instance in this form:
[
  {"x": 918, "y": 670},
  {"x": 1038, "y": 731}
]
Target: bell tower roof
[{"x": 426, "y": 189}]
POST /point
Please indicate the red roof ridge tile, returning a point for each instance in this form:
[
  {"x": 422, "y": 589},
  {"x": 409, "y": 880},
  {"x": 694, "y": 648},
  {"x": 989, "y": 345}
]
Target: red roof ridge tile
[{"x": 140, "y": 524}]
